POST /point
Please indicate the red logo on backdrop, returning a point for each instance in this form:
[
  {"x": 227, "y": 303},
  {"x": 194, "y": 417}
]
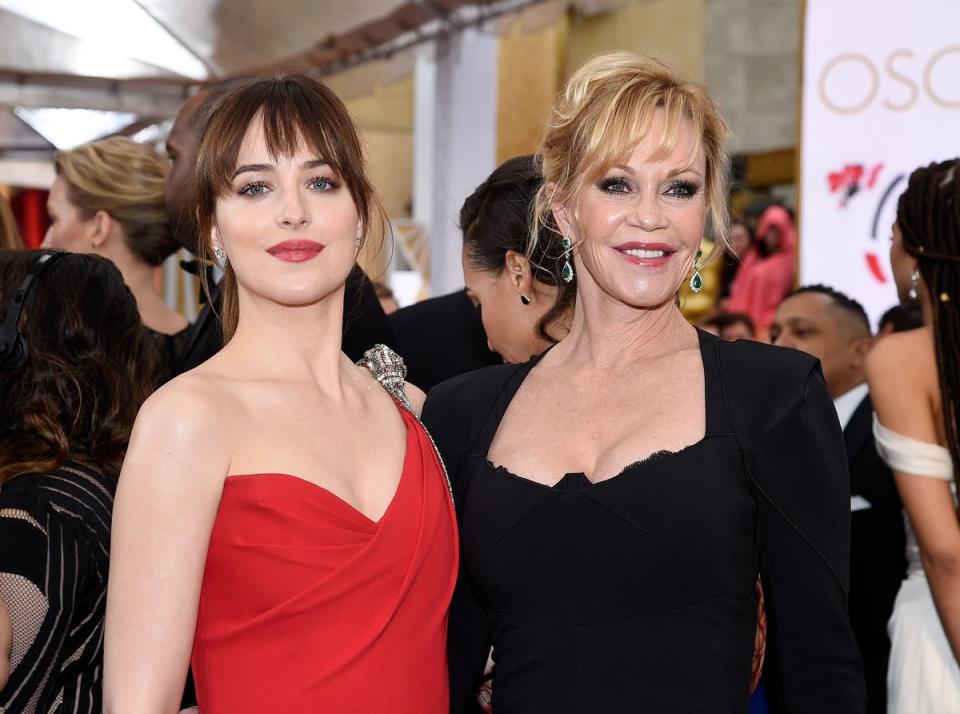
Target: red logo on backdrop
[
  {"x": 853, "y": 179},
  {"x": 849, "y": 180}
]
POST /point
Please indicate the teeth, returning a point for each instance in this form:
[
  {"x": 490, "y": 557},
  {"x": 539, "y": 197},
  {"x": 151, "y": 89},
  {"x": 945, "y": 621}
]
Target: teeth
[{"x": 638, "y": 253}]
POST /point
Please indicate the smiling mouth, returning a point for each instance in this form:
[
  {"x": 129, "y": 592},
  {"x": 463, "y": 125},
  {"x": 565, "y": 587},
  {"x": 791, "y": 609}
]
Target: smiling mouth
[
  {"x": 296, "y": 251},
  {"x": 640, "y": 253},
  {"x": 650, "y": 256}
]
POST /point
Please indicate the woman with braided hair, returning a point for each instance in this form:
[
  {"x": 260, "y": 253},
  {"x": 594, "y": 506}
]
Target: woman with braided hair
[{"x": 915, "y": 383}]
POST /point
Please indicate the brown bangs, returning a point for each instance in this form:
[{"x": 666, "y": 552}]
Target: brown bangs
[{"x": 293, "y": 111}]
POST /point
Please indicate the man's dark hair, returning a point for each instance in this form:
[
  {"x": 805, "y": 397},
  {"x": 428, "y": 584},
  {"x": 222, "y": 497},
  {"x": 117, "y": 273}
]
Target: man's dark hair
[
  {"x": 728, "y": 319},
  {"x": 902, "y": 318},
  {"x": 839, "y": 300}
]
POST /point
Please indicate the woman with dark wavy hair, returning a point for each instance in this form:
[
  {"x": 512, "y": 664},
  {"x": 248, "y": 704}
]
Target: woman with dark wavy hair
[
  {"x": 68, "y": 397},
  {"x": 915, "y": 384}
]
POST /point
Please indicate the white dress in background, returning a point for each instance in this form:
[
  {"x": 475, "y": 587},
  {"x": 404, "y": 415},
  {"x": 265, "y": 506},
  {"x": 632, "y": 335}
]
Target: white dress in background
[{"x": 923, "y": 677}]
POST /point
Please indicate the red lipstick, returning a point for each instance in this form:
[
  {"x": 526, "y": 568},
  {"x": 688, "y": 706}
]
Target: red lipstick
[{"x": 296, "y": 251}]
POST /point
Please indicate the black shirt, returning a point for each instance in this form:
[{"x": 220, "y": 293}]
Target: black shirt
[{"x": 636, "y": 594}]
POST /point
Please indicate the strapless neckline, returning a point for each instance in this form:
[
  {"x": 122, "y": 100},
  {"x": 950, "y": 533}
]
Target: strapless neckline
[{"x": 236, "y": 478}]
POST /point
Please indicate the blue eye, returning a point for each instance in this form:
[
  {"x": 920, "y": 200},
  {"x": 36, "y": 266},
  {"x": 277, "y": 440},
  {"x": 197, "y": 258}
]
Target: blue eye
[
  {"x": 322, "y": 183},
  {"x": 257, "y": 188},
  {"x": 614, "y": 185},
  {"x": 683, "y": 189}
]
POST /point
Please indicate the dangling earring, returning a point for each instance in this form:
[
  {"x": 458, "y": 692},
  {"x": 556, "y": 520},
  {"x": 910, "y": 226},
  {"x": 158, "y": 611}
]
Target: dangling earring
[
  {"x": 567, "y": 272},
  {"x": 220, "y": 255},
  {"x": 914, "y": 282},
  {"x": 359, "y": 242},
  {"x": 696, "y": 280}
]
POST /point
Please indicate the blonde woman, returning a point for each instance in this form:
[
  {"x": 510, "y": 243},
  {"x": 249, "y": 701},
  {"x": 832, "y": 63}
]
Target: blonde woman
[
  {"x": 619, "y": 495},
  {"x": 107, "y": 199}
]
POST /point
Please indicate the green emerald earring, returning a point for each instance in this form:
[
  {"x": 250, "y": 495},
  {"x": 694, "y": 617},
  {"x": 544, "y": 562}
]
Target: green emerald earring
[
  {"x": 696, "y": 281},
  {"x": 567, "y": 271}
]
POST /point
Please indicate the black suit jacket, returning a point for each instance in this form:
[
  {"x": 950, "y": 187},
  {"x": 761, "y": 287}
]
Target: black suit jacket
[
  {"x": 441, "y": 338},
  {"x": 877, "y": 551}
]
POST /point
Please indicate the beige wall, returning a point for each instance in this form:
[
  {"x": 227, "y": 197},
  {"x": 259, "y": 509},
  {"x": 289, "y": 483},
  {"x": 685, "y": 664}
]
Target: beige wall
[
  {"x": 530, "y": 71},
  {"x": 672, "y": 30},
  {"x": 385, "y": 120}
]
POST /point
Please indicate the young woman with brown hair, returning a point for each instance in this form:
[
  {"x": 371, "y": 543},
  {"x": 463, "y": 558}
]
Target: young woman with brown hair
[{"x": 283, "y": 522}]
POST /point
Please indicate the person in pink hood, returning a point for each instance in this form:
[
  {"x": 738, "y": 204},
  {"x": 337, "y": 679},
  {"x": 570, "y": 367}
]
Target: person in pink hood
[{"x": 766, "y": 274}]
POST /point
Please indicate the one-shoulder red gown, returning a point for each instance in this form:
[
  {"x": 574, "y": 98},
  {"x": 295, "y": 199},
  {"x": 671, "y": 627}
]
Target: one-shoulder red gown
[{"x": 309, "y": 606}]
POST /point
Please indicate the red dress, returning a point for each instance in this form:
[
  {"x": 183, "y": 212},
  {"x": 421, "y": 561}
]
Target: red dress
[{"x": 309, "y": 606}]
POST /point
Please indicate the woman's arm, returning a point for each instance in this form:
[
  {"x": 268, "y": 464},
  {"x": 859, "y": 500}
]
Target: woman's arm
[
  {"x": 929, "y": 505},
  {"x": 166, "y": 503},
  {"x": 6, "y": 644},
  {"x": 898, "y": 399}
]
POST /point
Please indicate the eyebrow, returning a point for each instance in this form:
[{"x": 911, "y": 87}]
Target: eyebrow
[
  {"x": 255, "y": 168},
  {"x": 673, "y": 172}
]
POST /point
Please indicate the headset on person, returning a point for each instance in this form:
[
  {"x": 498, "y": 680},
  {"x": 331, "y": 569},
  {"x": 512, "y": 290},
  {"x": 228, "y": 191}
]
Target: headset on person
[{"x": 13, "y": 343}]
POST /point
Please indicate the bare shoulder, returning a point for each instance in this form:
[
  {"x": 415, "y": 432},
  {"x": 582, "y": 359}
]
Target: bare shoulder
[
  {"x": 180, "y": 430},
  {"x": 416, "y": 396},
  {"x": 908, "y": 355},
  {"x": 902, "y": 373},
  {"x": 187, "y": 406}
]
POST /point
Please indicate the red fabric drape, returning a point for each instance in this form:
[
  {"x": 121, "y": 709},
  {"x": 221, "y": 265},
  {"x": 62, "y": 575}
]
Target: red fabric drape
[{"x": 30, "y": 209}]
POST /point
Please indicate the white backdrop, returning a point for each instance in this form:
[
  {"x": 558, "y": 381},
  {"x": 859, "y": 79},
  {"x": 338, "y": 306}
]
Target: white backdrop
[{"x": 881, "y": 96}]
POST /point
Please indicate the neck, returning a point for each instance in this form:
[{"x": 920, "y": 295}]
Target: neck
[
  {"x": 606, "y": 332},
  {"x": 139, "y": 277},
  {"x": 854, "y": 381},
  {"x": 286, "y": 343}
]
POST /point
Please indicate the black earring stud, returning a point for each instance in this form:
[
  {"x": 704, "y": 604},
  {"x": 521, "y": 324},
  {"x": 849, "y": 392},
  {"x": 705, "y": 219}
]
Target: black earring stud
[{"x": 524, "y": 299}]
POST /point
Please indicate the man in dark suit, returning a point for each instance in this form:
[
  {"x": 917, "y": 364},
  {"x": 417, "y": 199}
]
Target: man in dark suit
[
  {"x": 831, "y": 326},
  {"x": 440, "y": 338},
  {"x": 365, "y": 323}
]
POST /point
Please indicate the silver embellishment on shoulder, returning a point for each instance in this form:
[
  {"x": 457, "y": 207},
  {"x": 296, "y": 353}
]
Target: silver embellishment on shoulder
[{"x": 388, "y": 368}]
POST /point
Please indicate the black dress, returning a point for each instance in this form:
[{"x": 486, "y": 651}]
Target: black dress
[{"x": 636, "y": 594}]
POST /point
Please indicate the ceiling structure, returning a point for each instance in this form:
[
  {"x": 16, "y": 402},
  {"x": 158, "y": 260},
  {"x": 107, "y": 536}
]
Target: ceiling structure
[
  {"x": 71, "y": 72},
  {"x": 143, "y": 57}
]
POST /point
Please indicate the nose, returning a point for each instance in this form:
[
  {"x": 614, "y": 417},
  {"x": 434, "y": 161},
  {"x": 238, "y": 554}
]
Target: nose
[
  {"x": 294, "y": 213},
  {"x": 647, "y": 212}
]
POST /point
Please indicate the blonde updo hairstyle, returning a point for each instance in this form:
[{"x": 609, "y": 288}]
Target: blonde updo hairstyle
[
  {"x": 125, "y": 180},
  {"x": 605, "y": 109}
]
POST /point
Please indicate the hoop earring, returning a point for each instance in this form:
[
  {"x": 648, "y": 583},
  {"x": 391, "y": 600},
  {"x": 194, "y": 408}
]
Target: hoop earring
[
  {"x": 696, "y": 280},
  {"x": 567, "y": 271},
  {"x": 914, "y": 282}
]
